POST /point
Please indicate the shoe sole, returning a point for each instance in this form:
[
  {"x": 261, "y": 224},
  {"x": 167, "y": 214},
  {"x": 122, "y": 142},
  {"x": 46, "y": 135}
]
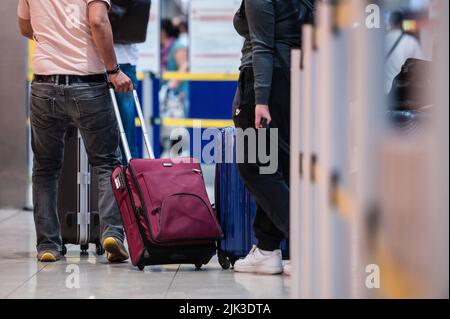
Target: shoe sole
[
  {"x": 47, "y": 258},
  {"x": 115, "y": 251},
  {"x": 263, "y": 270}
]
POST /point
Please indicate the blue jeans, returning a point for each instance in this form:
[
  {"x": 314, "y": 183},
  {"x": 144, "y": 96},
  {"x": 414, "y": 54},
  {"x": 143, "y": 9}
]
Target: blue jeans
[
  {"x": 128, "y": 111},
  {"x": 89, "y": 107}
]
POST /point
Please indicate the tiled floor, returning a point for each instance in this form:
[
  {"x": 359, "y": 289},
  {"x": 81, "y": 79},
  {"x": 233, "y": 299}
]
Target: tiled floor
[{"x": 21, "y": 276}]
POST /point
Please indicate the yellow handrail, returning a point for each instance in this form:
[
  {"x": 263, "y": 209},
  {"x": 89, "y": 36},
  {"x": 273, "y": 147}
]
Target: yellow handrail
[
  {"x": 190, "y": 123},
  {"x": 31, "y": 46},
  {"x": 207, "y": 77}
]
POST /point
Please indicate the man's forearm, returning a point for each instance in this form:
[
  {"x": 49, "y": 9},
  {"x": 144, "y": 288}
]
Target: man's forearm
[
  {"x": 103, "y": 39},
  {"x": 29, "y": 36},
  {"x": 26, "y": 29}
]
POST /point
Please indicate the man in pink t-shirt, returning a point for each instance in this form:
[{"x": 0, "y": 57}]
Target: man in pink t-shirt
[{"x": 74, "y": 52}]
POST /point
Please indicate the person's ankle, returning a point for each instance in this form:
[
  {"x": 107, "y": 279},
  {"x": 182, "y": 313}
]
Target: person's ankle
[
  {"x": 268, "y": 247},
  {"x": 266, "y": 252}
]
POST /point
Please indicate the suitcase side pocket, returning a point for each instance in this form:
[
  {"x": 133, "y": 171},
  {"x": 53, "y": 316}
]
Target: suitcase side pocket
[{"x": 186, "y": 217}]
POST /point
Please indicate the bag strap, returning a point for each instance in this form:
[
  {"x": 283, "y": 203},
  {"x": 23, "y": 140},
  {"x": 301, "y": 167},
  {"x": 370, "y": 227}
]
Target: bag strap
[{"x": 394, "y": 47}]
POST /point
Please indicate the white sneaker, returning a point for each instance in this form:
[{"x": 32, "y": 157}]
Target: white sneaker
[
  {"x": 257, "y": 261},
  {"x": 287, "y": 268}
]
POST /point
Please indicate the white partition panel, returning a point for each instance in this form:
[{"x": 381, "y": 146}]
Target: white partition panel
[
  {"x": 370, "y": 107},
  {"x": 351, "y": 184},
  {"x": 305, "y": 126},
  {"x": 313, "y": 118},
  {"x": 324, "y": 139},
  {"x": 295, "y": 192}
]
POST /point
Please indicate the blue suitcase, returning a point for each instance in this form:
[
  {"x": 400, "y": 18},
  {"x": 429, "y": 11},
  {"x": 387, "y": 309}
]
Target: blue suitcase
[{"x": 236, "y": 207}]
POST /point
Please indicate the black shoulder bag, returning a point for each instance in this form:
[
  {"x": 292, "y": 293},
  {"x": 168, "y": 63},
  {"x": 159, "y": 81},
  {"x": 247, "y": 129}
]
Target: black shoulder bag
[{"x": 129, "y": 20}]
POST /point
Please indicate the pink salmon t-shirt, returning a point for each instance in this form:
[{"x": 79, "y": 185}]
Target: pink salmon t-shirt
[{"x": 63, "y": 38}]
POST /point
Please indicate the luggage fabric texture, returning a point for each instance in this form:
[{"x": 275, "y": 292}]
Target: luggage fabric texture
[
  {"x": 78, "y": 197},
  {"x": 165, "y": 209},
  {"x": 235, "y": 206}
]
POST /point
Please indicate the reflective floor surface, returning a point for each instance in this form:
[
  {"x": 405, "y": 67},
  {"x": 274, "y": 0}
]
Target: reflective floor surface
[{"x": 75, "y": 276}]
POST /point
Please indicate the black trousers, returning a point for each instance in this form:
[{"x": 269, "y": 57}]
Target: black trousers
[{"x": 270, "y": 191}]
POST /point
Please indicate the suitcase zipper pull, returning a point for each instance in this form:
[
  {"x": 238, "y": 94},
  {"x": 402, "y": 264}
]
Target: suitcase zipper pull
[{"x": 197, "y": 171}]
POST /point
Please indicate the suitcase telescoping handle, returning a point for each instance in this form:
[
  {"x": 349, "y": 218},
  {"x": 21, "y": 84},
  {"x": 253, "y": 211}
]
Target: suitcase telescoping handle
[{"x": 123, "y": 135}]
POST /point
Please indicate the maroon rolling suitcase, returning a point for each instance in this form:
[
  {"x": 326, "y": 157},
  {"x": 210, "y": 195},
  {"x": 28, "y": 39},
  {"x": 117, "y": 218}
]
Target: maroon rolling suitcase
[{"x": 165, "y": 209}]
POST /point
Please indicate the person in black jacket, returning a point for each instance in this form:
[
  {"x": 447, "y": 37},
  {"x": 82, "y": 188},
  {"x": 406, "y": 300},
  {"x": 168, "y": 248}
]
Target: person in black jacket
[{"x": 271, "y": 30}]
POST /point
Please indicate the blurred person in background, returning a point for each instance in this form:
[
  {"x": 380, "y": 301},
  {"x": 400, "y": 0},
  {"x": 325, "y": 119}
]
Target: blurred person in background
[
  {"x": 181, "y": 24},
  {"x": 174, "y": 94},
  {"x": 74, "y": 52},
  {"x": 169, "y": 34},
  {"x": 400, "y": 47},
  {"x": 129, "y": 21},
  {"x": 177, "y": 59}
]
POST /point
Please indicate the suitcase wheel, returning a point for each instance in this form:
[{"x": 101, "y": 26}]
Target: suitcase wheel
[
  {"x": 232, "y": 261},
  {"x": 84, "y": 248},
  {"x": 63, "y": 250},
  {"x": 224, "y": 261},
  {"x": 198, "y": 266},
  {"x": 99, "y": 250}
]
